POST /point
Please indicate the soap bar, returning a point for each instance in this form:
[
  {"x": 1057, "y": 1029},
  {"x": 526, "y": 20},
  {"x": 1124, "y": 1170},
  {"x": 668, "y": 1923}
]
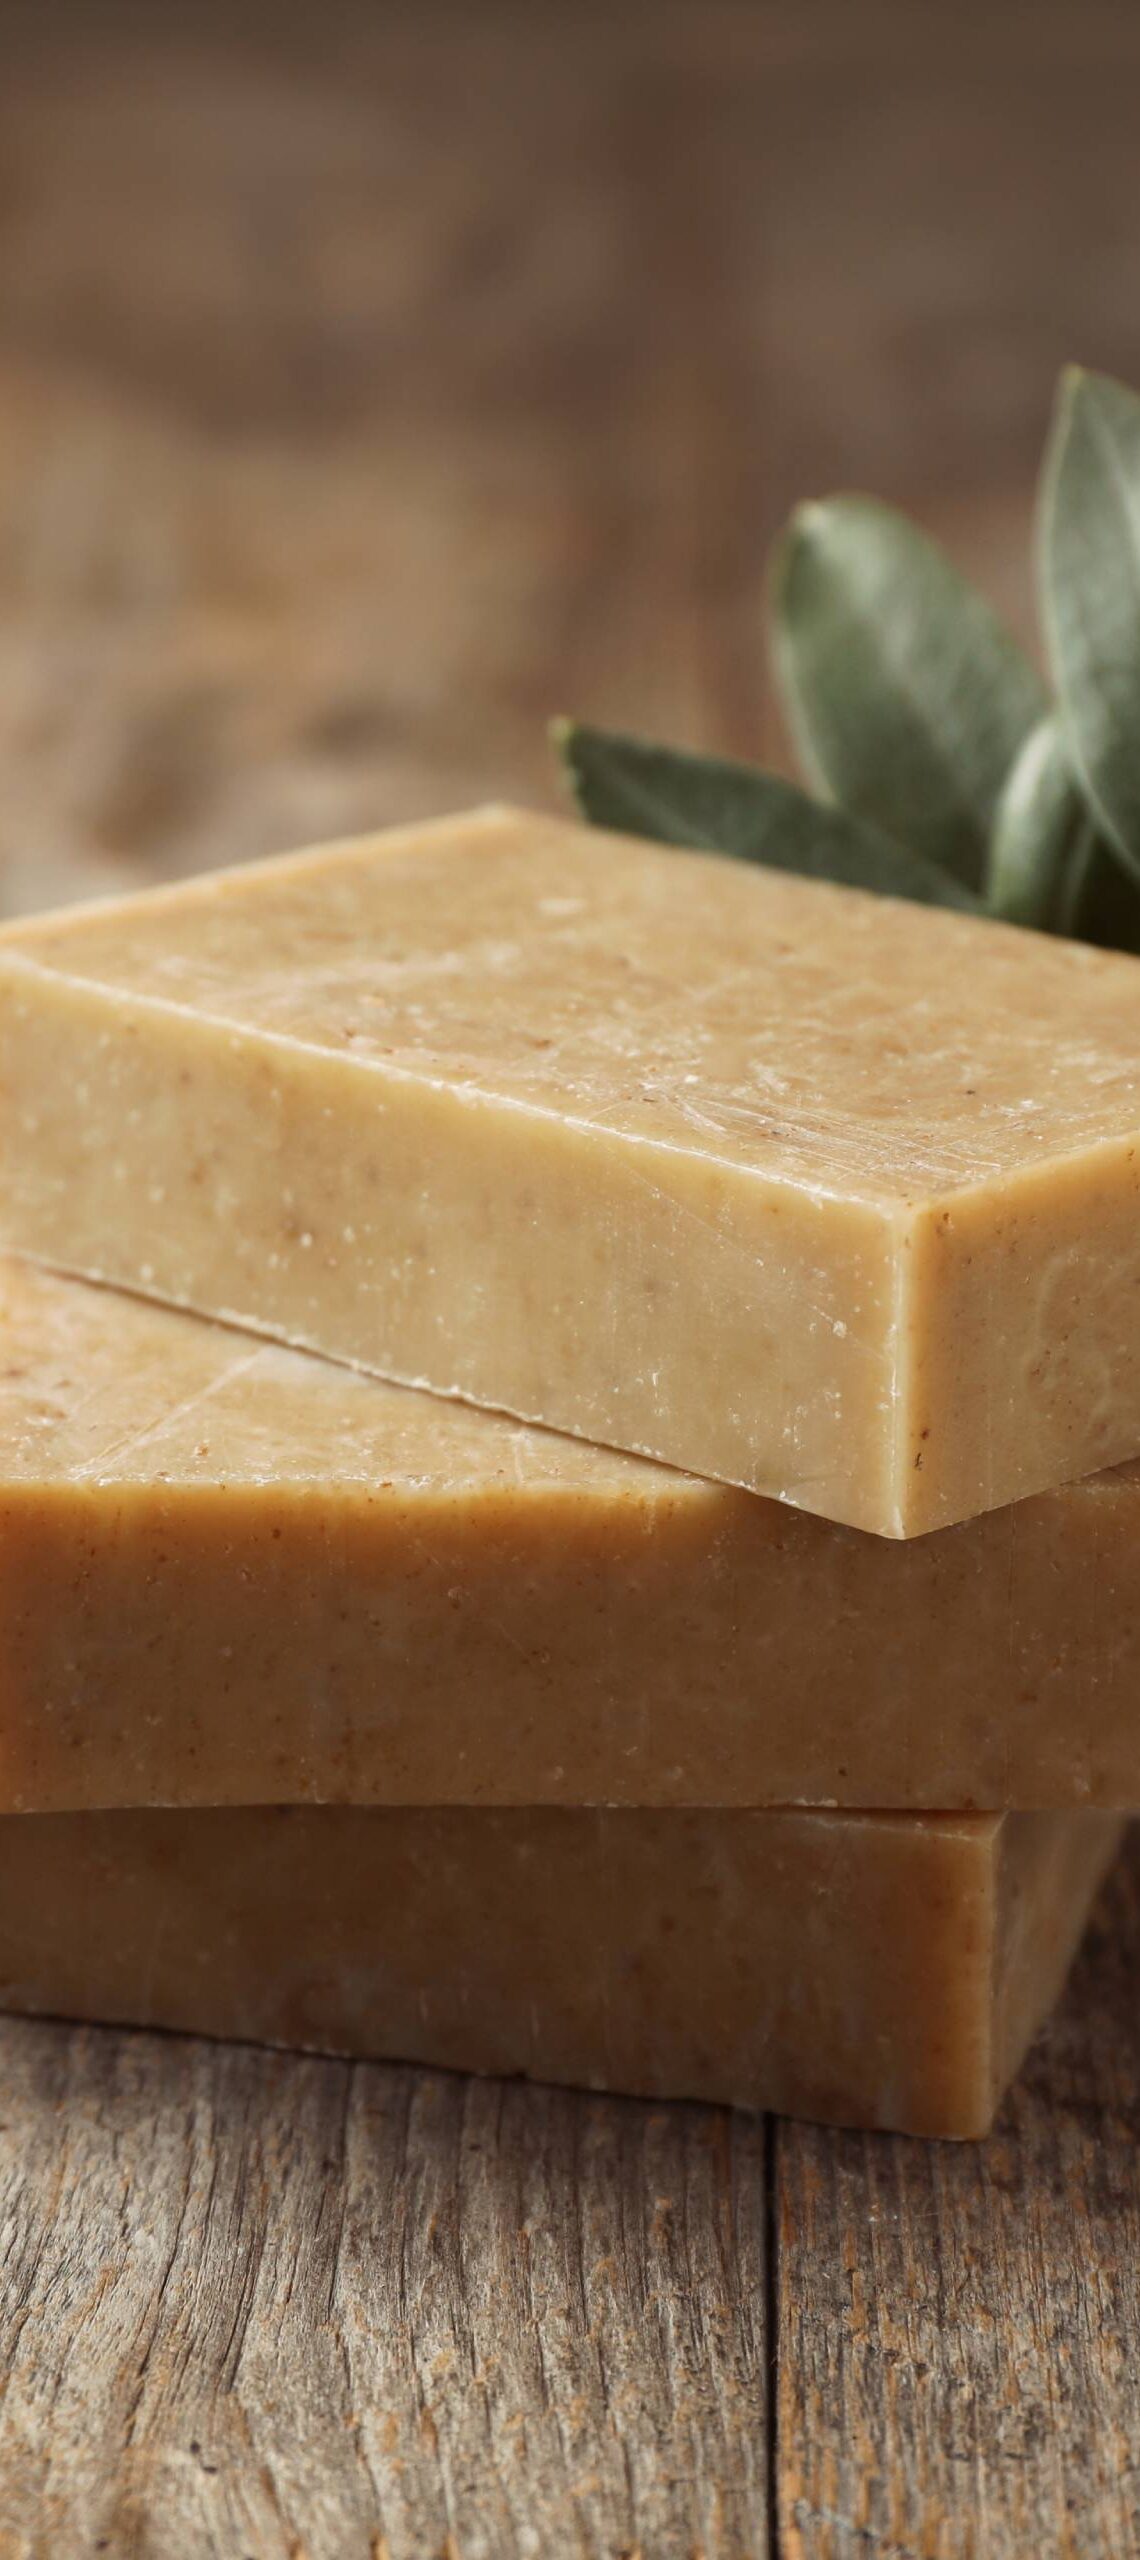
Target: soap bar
[
  {"x": 866, "y": 1969},
  {"x": 231, "y": 1573},
  {"x": 826, "y": 1195}
]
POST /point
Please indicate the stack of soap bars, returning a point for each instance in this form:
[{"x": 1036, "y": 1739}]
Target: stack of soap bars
[{"x": 563, "y": 1467}]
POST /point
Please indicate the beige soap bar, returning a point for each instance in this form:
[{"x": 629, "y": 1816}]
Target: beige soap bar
[
  {"x": 869, "y": 1969},
  {"x": 230, "y": 1573},
  {"x": 821, "y": 1194}
]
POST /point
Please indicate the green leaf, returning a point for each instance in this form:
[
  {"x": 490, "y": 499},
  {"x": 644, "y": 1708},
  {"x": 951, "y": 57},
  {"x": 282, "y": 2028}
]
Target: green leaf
[
  {"x": 907, "y": 699},
  {"x": 1090, "y": 579},
  {"x": 1049, "y": 865},
  {"x": 711, "y": 806},
  {"x": 1043, "y": 837}
]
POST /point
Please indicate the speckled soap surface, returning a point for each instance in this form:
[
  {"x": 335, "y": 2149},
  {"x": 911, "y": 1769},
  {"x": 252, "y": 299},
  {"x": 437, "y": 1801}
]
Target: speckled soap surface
[
  {"x": 830, "y": 1197},
  {"x": 870, "y": 1969},
  {"x": 232, "y": 1573}
]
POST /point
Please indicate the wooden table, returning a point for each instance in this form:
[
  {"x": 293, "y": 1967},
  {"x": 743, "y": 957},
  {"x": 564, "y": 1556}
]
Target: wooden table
[{"x": 374, "y": 384}]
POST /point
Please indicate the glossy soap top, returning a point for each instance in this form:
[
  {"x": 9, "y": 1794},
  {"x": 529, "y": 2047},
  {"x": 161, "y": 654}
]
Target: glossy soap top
[
  {"x": 815, "y": 1034},
  {"x": 823, "y": 1195}
]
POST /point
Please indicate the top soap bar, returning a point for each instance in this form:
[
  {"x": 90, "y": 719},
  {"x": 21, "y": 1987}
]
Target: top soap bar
[{"x": 827, "y": 1196}]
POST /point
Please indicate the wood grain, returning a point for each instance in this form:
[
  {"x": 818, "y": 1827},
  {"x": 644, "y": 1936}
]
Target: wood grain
[
  {"x": 956, "y": 2328},
  {"x": 375, "y": 382},
  {"x": 265, "y": 2306},
  {"x": 302, "y": 2310}
]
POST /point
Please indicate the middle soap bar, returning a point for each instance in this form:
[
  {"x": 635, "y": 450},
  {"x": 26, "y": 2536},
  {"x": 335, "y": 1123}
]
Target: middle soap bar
[
  {"x": 817, "y": 1193},
  {"x": 231, "y": 1574}
]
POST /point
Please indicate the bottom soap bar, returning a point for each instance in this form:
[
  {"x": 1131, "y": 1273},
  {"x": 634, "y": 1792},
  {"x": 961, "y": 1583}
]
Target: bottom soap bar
[{"x": 870, "y": 1969}]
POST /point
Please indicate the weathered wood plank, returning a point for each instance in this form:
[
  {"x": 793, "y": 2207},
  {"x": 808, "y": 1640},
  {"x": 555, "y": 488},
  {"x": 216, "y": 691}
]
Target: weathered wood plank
[
  {"x": 956, "y": 2330},
  {"x": 299, "y": 2310},
  {"x": 372, "y": 384}
]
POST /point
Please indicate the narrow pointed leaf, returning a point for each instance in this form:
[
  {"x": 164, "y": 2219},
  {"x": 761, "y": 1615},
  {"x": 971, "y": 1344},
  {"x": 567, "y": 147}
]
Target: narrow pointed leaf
[
  {"x": 1043, "y": 837},
  {"x": 907, "y": 698},
  {"x": 1090, "y": 577},
  {"x": 1049, "y": 864},
  {"x": 712, "y": 806}
]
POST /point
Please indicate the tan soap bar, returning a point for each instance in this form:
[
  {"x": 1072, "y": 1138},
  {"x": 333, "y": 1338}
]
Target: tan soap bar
[
  {"x": 871, "y": 1969},
  {"x": 230, "y": 1573},
  {"x": 825, "y": 1195}
]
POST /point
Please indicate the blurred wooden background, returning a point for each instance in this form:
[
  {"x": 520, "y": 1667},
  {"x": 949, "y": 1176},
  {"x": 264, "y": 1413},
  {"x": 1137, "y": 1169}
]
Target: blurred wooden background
[{"x": 375, "y": 383}]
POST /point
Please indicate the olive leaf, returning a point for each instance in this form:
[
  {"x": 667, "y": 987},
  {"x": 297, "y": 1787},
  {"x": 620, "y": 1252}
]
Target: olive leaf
[
  {"x": 1090, "y": 578},
  {"x": 907, "y": 699},
  {"x": 1043, "y": 837},
  {"x": 713, "y": 806},
  {"x": 1049, "y": 863},
  {"x": 945, "y": 774}
]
